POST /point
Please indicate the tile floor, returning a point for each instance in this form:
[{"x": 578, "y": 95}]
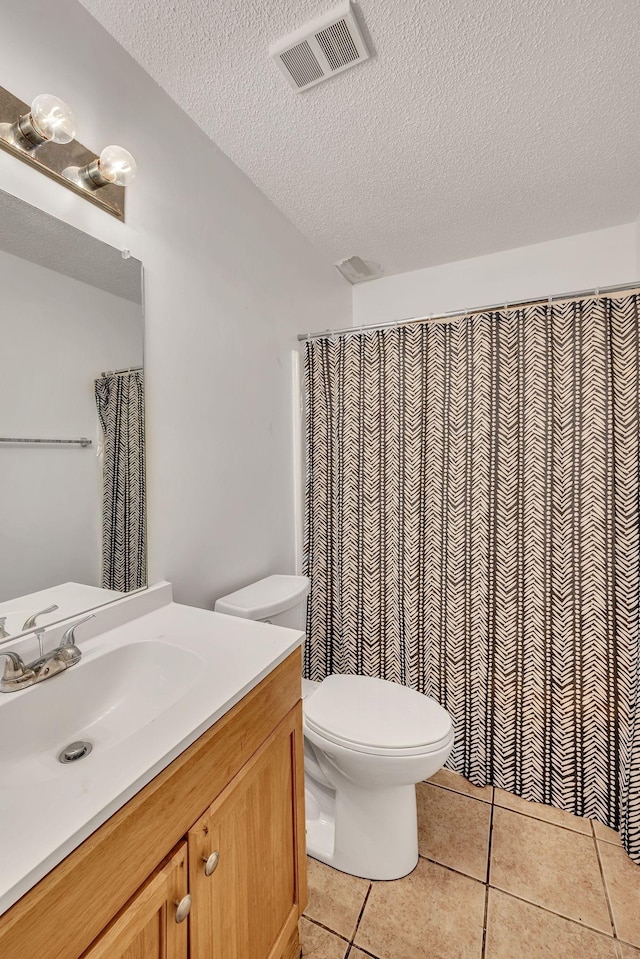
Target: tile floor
[{"x": 498, "y": 878}]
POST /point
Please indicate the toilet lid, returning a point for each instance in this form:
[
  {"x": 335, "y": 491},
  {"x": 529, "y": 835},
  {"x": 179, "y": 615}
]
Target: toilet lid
[{"x": 376, "y": 713}]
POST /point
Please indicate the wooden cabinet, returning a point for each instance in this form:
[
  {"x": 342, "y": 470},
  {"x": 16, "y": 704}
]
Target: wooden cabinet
[
  {"x": 248, "y": 905},
  {"x": 148, "y": 927},
  {"x": 238, "y": 790}
]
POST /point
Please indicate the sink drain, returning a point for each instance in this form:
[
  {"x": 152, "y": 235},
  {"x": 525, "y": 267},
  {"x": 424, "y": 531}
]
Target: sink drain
[{"x": 75, "y": 751}]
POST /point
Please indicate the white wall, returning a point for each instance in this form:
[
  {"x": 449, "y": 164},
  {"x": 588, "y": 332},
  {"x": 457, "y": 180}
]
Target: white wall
[
  {"x": 57, "y": 335},
  {"x": 601, "y": 258},
  {"x": 228, "y": 284}
]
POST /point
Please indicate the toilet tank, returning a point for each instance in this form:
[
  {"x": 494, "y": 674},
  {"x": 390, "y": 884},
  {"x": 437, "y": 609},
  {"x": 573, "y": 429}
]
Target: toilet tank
[{"x": 281, "y": 600}]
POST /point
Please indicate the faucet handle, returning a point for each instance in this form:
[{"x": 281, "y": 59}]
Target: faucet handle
[
  {"x": 16, "y": 674},
  {"x": 3, "y": 632},
  {"x": 31, "y": 621},
  {"x": 69, "y": 637}
]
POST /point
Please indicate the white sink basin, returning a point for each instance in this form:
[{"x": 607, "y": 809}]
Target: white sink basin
[{"x": 104, "y": 700}]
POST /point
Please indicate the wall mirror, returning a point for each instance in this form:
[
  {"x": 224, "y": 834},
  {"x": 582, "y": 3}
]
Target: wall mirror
[{"x": 72, "y": 463}]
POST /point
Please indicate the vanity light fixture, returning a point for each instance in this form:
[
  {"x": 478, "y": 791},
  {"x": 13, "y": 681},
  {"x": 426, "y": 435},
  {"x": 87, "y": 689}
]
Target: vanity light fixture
[
  {"x": 43, "y": 136},
  {"x": 50, "y": 120},
  {"x": 114, "y": 165}
]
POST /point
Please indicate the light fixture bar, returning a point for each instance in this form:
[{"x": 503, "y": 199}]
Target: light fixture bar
[{"x": 52, "y": 158}]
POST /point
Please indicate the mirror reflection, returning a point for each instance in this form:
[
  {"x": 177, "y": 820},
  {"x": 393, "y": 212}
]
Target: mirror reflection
[{"x": 72, "y": 503}]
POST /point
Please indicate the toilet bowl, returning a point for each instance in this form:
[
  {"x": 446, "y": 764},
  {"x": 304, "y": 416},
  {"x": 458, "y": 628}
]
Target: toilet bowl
[{"x": 367, "y": 742}]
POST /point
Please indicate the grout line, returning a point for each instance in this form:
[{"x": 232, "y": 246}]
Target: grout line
[
  {"x": 443, "y": 865},
  {"x": 360, "y": 914},
  {"x": 458, "y": 792},
  {"x": 521, "y": 812},
  {"x": 326, "y": 928},
  {"x": 486, "y": 895},
  {"x": 490, "y": 844},
  {"x": 610, "y": 842},
  {"x": 560, "y": 915},
  {"x": 604, "y": 885},
  {"x": 365, "y": 951},
  {"x": 484, "y": 922},
  {"x": 547, "y": 822}
]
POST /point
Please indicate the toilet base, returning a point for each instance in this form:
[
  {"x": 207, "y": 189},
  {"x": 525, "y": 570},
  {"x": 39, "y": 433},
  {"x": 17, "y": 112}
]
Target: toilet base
[{"x": 371, "y": 833}]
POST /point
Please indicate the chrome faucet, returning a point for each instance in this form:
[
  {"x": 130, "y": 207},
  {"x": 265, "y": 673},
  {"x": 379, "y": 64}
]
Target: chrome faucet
[
  {"x": 18, "y": 674},
  {"x": 31, "y": 621},
  {"x": 3, "y": 632}
]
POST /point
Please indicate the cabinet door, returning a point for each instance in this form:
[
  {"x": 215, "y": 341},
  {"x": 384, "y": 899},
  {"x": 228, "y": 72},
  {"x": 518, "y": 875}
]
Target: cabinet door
[
  {"x": 147, "y": 927},
  {"x": 248, "y": 907}
]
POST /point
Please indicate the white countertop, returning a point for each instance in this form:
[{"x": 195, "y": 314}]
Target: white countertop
[{"x": 47, "y": 816}]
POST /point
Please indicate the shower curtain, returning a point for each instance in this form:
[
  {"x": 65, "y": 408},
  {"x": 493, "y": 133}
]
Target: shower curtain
[
  {"x": 472, "y": 532},
  {"x": 120, "y": 402}
]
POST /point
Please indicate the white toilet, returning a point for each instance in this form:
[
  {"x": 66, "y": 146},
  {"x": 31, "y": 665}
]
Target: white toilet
[{"x": 367, "y": 743}]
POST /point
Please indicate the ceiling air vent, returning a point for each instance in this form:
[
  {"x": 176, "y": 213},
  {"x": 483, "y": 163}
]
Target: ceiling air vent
[
  {"x": 321, "y": 49},
  {"x": 357, "y": 270}
]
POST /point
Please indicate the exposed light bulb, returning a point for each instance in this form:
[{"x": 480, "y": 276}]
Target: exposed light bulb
[
  {"x": 53, "y": 119},
  {"x": 50, "y": 120},
  {"x": 117, "y": 165}
]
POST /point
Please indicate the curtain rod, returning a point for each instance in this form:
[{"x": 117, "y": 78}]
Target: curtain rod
[
  {"x": 127, "y": 369},
  {"x": 83, "y": 441},
  {"x": 510, "y": 304}
]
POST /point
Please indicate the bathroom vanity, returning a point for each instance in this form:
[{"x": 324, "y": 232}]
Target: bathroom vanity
[{"x": 216, "y": 813}]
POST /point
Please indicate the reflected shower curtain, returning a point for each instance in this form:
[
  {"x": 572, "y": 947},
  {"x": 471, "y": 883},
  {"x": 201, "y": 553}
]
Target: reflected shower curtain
[
  {"x": 120, "y": 402},
  {"x": 472, "y": 532}
]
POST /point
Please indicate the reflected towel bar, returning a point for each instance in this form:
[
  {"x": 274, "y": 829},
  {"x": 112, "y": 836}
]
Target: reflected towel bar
[{"x": 83, "y": 441}]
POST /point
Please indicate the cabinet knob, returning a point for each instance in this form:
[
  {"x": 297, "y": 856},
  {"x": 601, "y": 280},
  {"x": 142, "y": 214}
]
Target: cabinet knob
[
  {"x": 183, "y": 908},
  {"x": 211, "y": 863}
]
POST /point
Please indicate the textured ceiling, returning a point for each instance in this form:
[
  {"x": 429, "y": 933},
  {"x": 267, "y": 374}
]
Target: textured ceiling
[{"x": 478, "y": 125}]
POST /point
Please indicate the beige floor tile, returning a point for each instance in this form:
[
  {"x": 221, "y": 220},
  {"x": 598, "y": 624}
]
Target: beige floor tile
[
  {"x": 549, "y": 866},
  {"x": 622, "y": 877},
  {"x": 317, "y": 943},
  {"x": 431, "y": 914},
  {"x": 335, "y": 899},
  {"x": 626, "y": 951},
  {"x": 518, "y": 930},
  {"x": 541, "y": 811},
  {"x": 454, "y": 829},
  {"x": 358, "y": 954},
  {"x": 451, "y": 780},
  {"x": 605, "y": 834}
]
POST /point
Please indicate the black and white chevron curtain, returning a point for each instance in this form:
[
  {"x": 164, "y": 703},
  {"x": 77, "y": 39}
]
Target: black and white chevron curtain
[
  {"x": 120, "y": 402},
  {"x": 472, "y": 532}
]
